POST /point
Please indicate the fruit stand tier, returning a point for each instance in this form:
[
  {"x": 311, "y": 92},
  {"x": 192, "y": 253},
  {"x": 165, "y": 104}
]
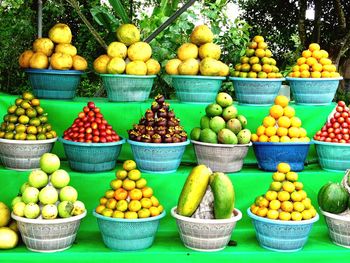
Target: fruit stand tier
[
  {"x": 248, "y": 183},
  {"x": 123, "y": 115}
]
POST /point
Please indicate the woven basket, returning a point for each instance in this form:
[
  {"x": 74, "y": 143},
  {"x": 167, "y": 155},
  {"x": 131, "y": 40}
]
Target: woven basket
[{"x": 345, "y": 182}]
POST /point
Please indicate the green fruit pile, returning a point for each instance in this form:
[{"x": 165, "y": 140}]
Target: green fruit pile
[
  {"x": 47, "y": 193},
  {"x": 222, "y": 123},
  {"x": 26, "y": 120}
]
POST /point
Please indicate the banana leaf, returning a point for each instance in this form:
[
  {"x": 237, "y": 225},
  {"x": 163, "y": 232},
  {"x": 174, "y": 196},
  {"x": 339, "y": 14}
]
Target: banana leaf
[
  {"x": 120, "y": 10},
  {"x": 104, "y": 17}
]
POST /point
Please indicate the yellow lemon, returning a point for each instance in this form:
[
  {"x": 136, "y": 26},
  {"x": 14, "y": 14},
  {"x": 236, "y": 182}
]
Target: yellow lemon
[
  {"x": 271, "y": 195},
  {"x": 295, "y": 122},
  {"x": 187, "y": 51},
  {"x": 283, "y": 168},
  {"x": 278, "y": 177},
  {"x": 276, "y": 111},
  {"x": 292, "y": 176},
  {"x": 263, "y": 138},
  {"x": 296, "y": 216},
  {"x": 287, "y": 206},
  {"x": 281, "y": 131},
  {"x": 281, "y": 100},
  {"x": 307, "y": 214},
  {"x": 274, "y": 138},
  {"x": 275, "y": 204},
  {"x": 298, "y": 206},
  {"x": 285, "y": 216},
  {"x": 284, "y": 121},
  {"x": 272, "y": 214},
  {"x": 270, "y": 131},
  {"x": 276, "y": 186},
  {"x": 260, "y": 131},
  {"x": 288, "y": 186},
  {"x": 289, "y": 111},
  {"x": 254, "y": 137},
  {"x": 141, "y": 51},
  {"x": 296, "y": 197},
  {"x": 307, "y": 203},
  {"x": 293, "y": 132},
  {"x": 283, "y": 196}
]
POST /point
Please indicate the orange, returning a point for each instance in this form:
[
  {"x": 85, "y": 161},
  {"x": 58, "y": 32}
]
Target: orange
[
  {"x": 285, "y": 216},
  {"x": 262, "y": 45},
  {"x": 262, "y": 211},
  {"x": 316, "y": 74},
  {"x": 317, "y": 54},
  {"x": 303, "y": 132},
  {"x": 296, "y": 216},
  {"x": 120, "y": 194},
  {"x": 146, "y": 202},
  {"x": 267, "y": 68},
  {"x": 263, "y": 138},
  {"x": 154, "y": 211},
  {"x": 260, "y": 131},
  {"x": 155, "y": 201},
  {"x": 147, "y": 191},
  {"x": 134, "y": 174},
  {"x": 294, "y": 139},
  {"x": 135, "y": 194},
  {"x": 307, "y": 214},
  {"x": 276, "y": 111},
  {"x": 291, "y": 74},
  {"x": 295, "y": 122},
  {"x": 130, "y": 215},
  {"x": 260, "y": 53},
  {"x": 122, "y": 205},
  {"x": 253, "y": 45},
  {"x": 298, "y": 185},
  {"x": 271, "y": 75},
  {"x": 307, "y": 203},
  {"x": 256, "y": 67},
  {"x": 276, "y": 186},
  {"x": 269, "y": 121},
  {"x": 296, "y": 74},
  {"x": 311, "y": 61},
  {"x": 281, "y": 100},
  {"x": 314, "y": 47},
  {"x": 262, "y": 75},
  {"x": 254, "y": 209},
  {"x": 274, "y": 138},
  {"x": 289, "y": 112},
  {"x": 272, "y": 214},
  {"x": 301, "y": 61},
  {"x": 298, "y": 206},
  {"x": 305, "y": 74},
  {"x": 292, "y": 176},
  {"x": 121, "y": 174},
  {"x": 254, "y": 60},
  {"x": 325, "y": 61},
  {"x": 306, "y": 53},
  {"x": 279, "y": 177},
  {"x": 285, "y": 139},
  {"x": 261, "y": 201},
  {"x": 283, "y": 168},
  {"x": 304, "y": 67},
  {"x": 295, "y": 68},
  {"x": 317, "y": 67},
  {"x": 287, "y": 206},
  {"x": 270, "y": 131},
  {"x": 268, "y": 53},
  {"x": 324, "y": 53},
  {"x": 129, "y": 184},
  {"x": 332, "y": 68},
  {"x": 334, "y": 75},
  {"x": 303, "y": 194},
  {"x": 134, "y": 206},
  {"x": 109, "y": 194},
  {"x": 129, "y": 165},
  {"x": 111, "y": 203},
  {"x": 144, "y": 213},
  {"x": 281, "y": 131},
  {"x": 254, "y": 137},
  {"x": 296, "y": 197},
  {"x": 258, "y": 39},
  {"x": 288, "y": 186},
  {"x": 325, "y": 74},
  {"x": 275, "y": 204},
  {"x": 284, "y": 121},
  {"x": 141, "y": 183},
  {"x": 99, "y": 209}
]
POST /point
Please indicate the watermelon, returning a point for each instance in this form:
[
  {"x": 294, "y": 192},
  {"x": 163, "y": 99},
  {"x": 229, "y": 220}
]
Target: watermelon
[{"x": 333, "y": 198}]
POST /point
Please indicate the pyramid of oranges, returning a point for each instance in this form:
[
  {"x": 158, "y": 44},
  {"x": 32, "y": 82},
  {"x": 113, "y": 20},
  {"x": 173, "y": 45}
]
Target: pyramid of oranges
[
  {"x": 257, "y": 62},
  {"x": 129, "y": 196},
  {"x": 285, "y": 200},
  {"x": 281, "y": 125},
  {"x": 314, "y": 63}
]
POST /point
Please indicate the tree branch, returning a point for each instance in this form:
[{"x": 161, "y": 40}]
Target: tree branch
[
  {"x": 301, "y": 21},
  {"x": 341, "y": 16},
  {"x": 344, "y": 47}
]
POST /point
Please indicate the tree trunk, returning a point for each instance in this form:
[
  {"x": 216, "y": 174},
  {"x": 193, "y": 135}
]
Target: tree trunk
[
  {"x": 344, "y": 47},
  {"x": 317, "y": 21},
  {"x": 301, "y": 22},
  {"x": 340, "y": 15}
]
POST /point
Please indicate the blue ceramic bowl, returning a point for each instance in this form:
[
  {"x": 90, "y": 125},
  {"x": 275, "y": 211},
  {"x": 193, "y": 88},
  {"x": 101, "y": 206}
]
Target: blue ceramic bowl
[
  {"x": 318, "y": 91},
  {"x": 92, "y": 157},
  {"x": 256, "y": 92},
  {"x": 54, "y": 84},
  {"x": 158, "y": 157},
  {"x": 128, "y": 234},
  {"x": 333, "y": 156},
  {"x": 196, "y": 89},
  {"x": 122, "y": 87},
  {"x": 270, "y": 154},
  {"x": 281, "y": 236}
]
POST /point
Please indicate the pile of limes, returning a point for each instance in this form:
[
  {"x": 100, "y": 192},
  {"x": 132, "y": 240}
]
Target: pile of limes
[{"x": 285, "y": 199}]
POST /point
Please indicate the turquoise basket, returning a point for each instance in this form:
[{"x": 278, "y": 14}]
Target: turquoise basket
[
  {"x": 158, "y": 157},
  {"x": 333, "y": 156},
  {"x": 122, "y": 87},
  {"x": 92, "y": 157},
  {"x": 281, "y": 236},
  {"x": 318, "y": 91},
  {"x": 54, "y": 84},
  {"x": 196, "y": 89},
  {"x": 128, "y": 234},
  {"x": 256, "y": 92}
]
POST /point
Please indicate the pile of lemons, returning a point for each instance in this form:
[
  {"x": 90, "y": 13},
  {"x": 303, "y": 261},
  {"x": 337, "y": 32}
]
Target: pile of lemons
[
  {"x": 127, "y": 55},
  {"x": 281, "y": 125},
  {"x": 285, "y": 200}
]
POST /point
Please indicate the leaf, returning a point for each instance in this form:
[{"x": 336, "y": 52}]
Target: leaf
[
  {"x": 104, "y": 17},
  {"x": 120, "y": 10}
]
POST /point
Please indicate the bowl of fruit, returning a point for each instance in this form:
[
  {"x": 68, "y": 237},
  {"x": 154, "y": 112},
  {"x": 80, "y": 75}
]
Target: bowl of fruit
[
  {"x": 91, "y": 146},
  {"x": 53, "y": 66},
  {"x": 47, "y": 210},
  {"x": 158, "y": 141},
  {"x": 205, "y": 213},
  {"x": 314, "y": 80},
  {"x": 129, "y": 214},
  {"x": 283, "y": 217},
  {"x": 197, "y": 73},
  {"x": 332, "y": 141},
  {"x": 281, "y": 138},
  {"x": 256, "y": 79},
  {"x": 25, "y": 134},
  {"x": 221, "y": 142}
]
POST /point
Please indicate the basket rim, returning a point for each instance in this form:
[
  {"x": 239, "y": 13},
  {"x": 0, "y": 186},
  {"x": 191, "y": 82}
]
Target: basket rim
[
  {"x": 136, "y": 220},
  {"x": 331, "y": 143},
  {"x": 221, "y": 145},
  {"x": 280, "y": 222},
  {"x": 127, "y": 76},
  {"x": 257, "y": 80},
  {"x": 282, "y": 143},
  {"x": 49, "y": 221},
  {"x": 28, "y": 142},
  {"x": 93, "y": 144},
  {"x": 237, "y": 217},
  {"x": 313, "y": 79},
  {"x": 160, "y": 145},
  {"x": 197, "y": 77},
  {"x": 54, "y": 71},
  {"x": 335, "y": 216}
]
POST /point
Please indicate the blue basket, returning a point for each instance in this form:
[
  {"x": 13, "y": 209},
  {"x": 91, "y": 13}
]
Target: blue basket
[
  {"x": 121, "y": 87},
  {"x": 281, "y": 236},
  {"x": 128, "y": 234},
  {"x": 270, "y": 154},
  {"x": 318, "y": 91},
  {"x": 54, "y": 84},
  {"x": 196, "y": 89},
  {"x": 333, "y": 156},
  {"x": 158, "y": 157},
  {"x": 92, "y": 157},
  {"x": 256, "y": 92}
]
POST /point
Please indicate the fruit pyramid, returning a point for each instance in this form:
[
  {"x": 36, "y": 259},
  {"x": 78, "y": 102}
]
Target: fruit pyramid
[
  {"x": 91, "y": 126},
  {"x": 257, "y": 62},
  {"x": 129, "y": 196},
  {"x": 158, "y": 125},
  {"x": 285, "y": 200},
  {"x": 200, "y": 56},
  {"x": 26, "y": 120},
  {"x": 281, "y": 125},
  {"x": 336, "y": 128},
  {"x": 314, "y": 63},
  {"x": 127, "y": 55},
  {"x": 222, "y": 123},
  {"x": 55, "y": 51}
]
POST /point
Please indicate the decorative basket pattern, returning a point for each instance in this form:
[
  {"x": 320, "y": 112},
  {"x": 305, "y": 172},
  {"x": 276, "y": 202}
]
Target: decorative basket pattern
[{"x": 345, "y": 181}]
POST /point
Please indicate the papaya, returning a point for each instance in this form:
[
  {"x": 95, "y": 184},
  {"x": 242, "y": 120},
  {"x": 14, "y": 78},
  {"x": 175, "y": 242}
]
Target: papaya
[
  {"x": 193, "y": 190},
  {"x": 224, "y": 195}
]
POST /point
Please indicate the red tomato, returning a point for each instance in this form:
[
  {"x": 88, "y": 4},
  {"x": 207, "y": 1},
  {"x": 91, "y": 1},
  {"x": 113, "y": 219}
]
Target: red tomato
[
  {"x": 341, "y": 103},
  {"x": 339, "y": 109}
]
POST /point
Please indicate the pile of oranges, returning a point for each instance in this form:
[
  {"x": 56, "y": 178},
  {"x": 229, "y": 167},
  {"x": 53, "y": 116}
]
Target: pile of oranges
[
  {"x": 314, "y": 63},
  {"x": 281, "y": 125},
  {"x": 285, "y": 200}
]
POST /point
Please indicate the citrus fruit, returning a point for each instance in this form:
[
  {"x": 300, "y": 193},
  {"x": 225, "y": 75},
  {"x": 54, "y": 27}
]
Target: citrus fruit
[
  {"x": 262, "y": 211},
  {"x": 289, "y": 111},
  {"x": 287, "y": 206},
  {"x": 260, "y": 131},
  {"x": 263, "y": 138},
  {"x": 281, "y": 131},
  {"x": 128, "y": 34},
  {"x": 288, "y": 186},
  {"x": 283, "y": 196},
  {"x": 276, "y": 186},
  {"x": 275, "y": 204},
  {"x": 292, "y": 176},
  {"x": 271, "y": 195},
  {"x": 293, "y": 132},
  {"x": 276, "y": 111},
  {"x": 278, "y": 177},
  {"x": 296, "y": 197},
  {"x": 298, "y": 206},
  {"x": 296, "y": 216},
  {"x": 281, "y": 100},
  {"x": 307, "y": 214},
  {"x": 272, "y": 214},
  {"x": 270, "y": 131},
  {"x": 284, "y": 122},
  {"x": 285, "y": 216}
]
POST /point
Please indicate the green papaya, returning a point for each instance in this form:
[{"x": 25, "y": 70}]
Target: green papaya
[
  {"x": 224, "y": 195},
  {"x": 193, "y": 190}
]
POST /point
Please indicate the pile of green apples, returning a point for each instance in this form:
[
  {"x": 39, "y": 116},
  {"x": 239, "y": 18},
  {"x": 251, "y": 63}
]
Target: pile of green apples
[{"x": 47, "y": 193}]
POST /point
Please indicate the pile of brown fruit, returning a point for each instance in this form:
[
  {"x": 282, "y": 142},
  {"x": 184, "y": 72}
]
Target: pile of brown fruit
[{"x": 158, "y": 125}]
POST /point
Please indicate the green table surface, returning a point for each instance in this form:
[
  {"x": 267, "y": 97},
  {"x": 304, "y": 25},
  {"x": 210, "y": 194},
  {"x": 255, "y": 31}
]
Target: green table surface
[
  {"x": 248, "y": 183},
  {"x": 123, "y": 115}
]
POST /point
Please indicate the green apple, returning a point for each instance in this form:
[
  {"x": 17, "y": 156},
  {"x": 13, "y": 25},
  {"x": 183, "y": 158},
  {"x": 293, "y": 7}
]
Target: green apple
[
  {"x": 59, "y": 178},
  {"x": 30, "y": 195},
  {"x": 48, "y": 195},
  {"x": 49, "y": 163},
  {"x": 31, "y": 210},
  {"x": 38, "y": 179},
  {"x": 68, "y": 193}
]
